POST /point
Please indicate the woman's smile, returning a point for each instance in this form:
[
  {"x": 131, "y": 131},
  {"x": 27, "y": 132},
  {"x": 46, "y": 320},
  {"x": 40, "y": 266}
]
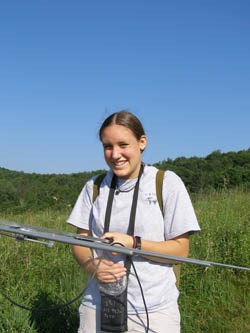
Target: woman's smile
[{"x": 122, "y": 150}]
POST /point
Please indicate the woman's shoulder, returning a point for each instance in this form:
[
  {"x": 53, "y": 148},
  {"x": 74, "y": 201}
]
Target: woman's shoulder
[
  {"x": 169, "y": 175},
  {"x": 172, "y": 176}
]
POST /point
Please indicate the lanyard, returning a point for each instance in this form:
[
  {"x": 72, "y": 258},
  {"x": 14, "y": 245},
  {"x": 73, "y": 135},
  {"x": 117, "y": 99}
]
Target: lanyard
[
  {"x": 131, "y": 226},
  {"x": 133, "y": 207}
]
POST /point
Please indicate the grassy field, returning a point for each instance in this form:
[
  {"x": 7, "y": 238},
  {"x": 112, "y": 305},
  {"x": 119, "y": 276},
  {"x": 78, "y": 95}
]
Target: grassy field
[
  {"x": 215, "y": 299},
  {"x": 211, "y": 300}
]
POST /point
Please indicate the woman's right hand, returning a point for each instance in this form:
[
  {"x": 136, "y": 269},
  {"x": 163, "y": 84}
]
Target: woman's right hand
[{"x": 106, "y": 271}]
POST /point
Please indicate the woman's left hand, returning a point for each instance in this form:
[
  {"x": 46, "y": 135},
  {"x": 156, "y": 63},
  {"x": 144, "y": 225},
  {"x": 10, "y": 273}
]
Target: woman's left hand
[{"x": 119, "y": 239}]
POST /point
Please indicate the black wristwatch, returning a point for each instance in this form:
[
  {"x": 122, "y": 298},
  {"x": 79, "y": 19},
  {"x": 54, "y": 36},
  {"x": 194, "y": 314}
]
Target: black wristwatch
[{"x": 138, "y": 242}]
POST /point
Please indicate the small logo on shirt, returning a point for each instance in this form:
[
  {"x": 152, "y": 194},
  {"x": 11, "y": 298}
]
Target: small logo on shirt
[{"x": 151, "y": 198}]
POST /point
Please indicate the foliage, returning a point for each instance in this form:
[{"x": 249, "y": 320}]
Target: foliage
[
  {"x": 217, "y": 299},
  {"x": 21, "y": 192},
  {"x": 40, "y": 278},
  {"x": 211, "y": 299},
  {"x": 215, "y": 171}
]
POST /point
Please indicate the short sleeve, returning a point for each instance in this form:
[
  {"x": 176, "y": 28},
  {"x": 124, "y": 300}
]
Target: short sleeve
[
  {"x": 81, "y": 212},
  {"x": 179, "y": 214}
]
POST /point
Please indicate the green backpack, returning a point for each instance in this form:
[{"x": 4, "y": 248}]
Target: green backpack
[{"x": 159, "y": 184}]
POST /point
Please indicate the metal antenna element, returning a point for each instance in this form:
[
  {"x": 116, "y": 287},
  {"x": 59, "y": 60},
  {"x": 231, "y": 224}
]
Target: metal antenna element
[
  {"x": 33, "y": 233},
  {"x": 21, "y": 237}
]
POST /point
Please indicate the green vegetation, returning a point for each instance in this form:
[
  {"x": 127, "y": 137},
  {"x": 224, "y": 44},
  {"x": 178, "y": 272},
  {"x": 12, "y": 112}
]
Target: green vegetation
[
  {"x": 217, "y": 299},
  {"x": 39, "y": 277},
  {"x": 22, "y": 192},
  {"x": 215, "y": 171},
  {"x": 212, "y": 300}
]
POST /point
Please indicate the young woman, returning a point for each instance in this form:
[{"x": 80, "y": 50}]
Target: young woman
[{"x": 129, "y": 182}]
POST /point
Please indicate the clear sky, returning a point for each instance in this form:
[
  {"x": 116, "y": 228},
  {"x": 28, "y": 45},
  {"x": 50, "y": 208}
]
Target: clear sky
[{"x": 183, "y": 67}]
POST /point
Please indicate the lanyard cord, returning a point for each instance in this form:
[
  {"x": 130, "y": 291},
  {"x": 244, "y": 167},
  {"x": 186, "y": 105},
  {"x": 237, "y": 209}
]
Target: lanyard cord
[
  {"x": 130, "y": 231},
  {"x": 131, "y": 226}
]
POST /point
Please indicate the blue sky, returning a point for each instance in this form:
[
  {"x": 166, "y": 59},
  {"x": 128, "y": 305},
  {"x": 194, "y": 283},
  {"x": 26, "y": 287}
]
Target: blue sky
[{"x": 183, "y": 67}]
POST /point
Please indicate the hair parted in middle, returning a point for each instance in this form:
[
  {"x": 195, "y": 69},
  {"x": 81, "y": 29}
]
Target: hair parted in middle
[{"x": 126, "y": 119}]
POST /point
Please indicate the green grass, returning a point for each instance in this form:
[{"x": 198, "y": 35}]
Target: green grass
[
  {"x": 218, "y": 299},
  {"x": 37, "y": 276},
  {"x": 211, "y": 300}
]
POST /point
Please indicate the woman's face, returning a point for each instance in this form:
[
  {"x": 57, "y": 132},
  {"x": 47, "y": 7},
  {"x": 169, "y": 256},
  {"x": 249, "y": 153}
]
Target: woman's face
[{"x": 122, "y": 150}]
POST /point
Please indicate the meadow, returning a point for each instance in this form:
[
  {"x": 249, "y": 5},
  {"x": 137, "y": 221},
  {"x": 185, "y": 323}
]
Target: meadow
[{"x": 213, "y": 300}]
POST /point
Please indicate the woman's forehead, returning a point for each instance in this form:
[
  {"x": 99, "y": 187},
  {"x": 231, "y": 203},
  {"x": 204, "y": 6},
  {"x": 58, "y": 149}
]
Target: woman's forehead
[{"x": 117, "y": 132}]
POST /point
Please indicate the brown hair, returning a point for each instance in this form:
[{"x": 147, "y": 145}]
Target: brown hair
[{"x": 124, "y": 118}]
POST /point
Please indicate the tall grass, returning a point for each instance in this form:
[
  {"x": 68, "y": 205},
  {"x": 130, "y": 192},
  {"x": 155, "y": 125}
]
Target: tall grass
[
  {"x": 211, "y": 299},
  {"x": 218, "y": 299},
  {"x": 39, "y": 277}
]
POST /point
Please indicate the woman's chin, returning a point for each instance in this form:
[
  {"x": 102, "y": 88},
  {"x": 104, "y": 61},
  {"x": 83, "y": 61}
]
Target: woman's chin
[{"x": 121, "y": 173}]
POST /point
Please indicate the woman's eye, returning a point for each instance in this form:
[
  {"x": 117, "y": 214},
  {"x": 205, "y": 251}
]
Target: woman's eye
[{"x": 107, "y": 147}]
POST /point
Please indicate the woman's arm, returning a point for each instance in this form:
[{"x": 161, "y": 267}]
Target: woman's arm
[
  {"x": 178, "y": 246},
  {"x": 83, "y": 255},
  {"x": 105, "y": 270}
]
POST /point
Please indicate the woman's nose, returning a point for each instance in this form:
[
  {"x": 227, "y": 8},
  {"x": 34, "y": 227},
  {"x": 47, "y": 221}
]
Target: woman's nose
[{"x": 116, "y": 153}]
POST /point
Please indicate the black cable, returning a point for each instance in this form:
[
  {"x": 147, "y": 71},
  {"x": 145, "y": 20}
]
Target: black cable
[
  {"x": 50, "y": 308},
  {"x": 80, "y": 294},
  {"x": 40, "y": 308},
  {"x": 142, "y": 294},
  {"x": 140, "y": 286}
]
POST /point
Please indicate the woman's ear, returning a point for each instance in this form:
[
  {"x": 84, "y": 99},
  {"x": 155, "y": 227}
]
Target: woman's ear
[{"x": 143, "y": 142}]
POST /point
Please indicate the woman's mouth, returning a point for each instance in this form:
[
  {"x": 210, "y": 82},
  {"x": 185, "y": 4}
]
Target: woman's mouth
[{"x": 119, "y": 165}]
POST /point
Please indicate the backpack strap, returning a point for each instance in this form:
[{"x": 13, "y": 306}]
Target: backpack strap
[
  {"x": 97, "y": 184},
  {"x": 159, "y": 186}
]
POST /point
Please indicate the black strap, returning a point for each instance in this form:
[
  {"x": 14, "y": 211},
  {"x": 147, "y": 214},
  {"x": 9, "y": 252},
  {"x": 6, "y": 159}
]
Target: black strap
[
  {"x": 109, "y": 203},
  {"x": 133, "y": 207},
  {"x": 131, "y": 226},
  {"x": 117, "y": 321}
]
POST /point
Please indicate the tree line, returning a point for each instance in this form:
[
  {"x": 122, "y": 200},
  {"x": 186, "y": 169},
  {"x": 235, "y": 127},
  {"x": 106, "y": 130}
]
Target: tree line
[{"x": 21, "y": 191}]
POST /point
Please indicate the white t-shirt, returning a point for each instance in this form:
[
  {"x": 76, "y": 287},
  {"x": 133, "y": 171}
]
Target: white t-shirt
[{"x": 157, "y": 280}]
